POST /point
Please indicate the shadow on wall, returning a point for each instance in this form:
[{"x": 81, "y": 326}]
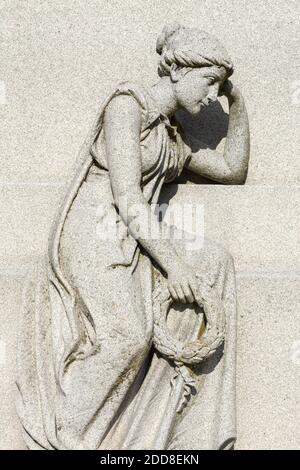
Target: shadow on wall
[{"x": 210, "y": 127}]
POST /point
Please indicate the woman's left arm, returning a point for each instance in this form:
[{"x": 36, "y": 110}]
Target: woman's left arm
[{"x": 232, "y": 166}]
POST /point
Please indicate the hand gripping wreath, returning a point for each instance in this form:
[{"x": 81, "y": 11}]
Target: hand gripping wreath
[{"x": 196, "y": 349}]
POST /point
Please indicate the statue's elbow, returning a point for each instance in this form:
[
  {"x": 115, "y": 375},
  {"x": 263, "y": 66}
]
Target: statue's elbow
[
  {"x": 236, "y": 178},
  {"x": 240, "y": 177}
]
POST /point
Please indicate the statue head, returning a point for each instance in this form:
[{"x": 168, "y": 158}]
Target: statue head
[{"x": 196, "y": 63}]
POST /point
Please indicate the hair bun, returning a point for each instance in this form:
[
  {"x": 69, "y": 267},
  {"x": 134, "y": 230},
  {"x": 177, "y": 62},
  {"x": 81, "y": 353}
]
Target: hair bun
[{"x": 168, "y": 31}]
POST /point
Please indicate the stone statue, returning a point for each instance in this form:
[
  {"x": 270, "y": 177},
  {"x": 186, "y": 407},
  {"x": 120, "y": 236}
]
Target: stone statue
[{"x": 128, "y": 341}]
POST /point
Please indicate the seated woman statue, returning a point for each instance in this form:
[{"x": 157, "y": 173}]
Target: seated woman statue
[{"x": 112, "y": 352}]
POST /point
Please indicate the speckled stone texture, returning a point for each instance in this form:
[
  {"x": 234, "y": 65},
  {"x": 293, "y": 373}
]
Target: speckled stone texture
[{"x": 58, "y": 61}]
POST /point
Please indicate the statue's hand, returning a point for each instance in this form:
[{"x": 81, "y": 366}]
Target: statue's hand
[
  {"x": 229, "y": 90},
  {"x": 182, "y": 283}
]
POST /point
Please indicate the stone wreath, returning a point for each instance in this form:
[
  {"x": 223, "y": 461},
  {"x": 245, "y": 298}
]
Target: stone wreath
[{"x": 196, "y": 349}]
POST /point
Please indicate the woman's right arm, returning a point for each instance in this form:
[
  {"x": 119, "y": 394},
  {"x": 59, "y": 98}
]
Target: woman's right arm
[
  {"x": 230, "y": 167},
  {"x": 122, "y": 126}
]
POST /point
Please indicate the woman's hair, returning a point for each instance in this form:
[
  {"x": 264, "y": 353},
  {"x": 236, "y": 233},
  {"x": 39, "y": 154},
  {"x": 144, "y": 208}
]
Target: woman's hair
[{"x": 191, "y": 48}]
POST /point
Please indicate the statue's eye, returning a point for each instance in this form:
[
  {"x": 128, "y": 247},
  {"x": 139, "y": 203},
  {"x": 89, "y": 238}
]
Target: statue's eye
[{"x": 211, "y": 80}]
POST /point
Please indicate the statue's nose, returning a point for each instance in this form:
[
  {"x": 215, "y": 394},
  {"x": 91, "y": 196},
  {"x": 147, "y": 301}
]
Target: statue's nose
[{"x": 213, "y": 95}]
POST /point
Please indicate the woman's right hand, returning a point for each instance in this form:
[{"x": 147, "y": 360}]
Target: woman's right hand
[
  {"x": 230, "y": 90},
  {"x": 182, "y": 283}
]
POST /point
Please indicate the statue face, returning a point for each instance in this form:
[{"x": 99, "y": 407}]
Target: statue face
[{"x": 198, "y": 87}]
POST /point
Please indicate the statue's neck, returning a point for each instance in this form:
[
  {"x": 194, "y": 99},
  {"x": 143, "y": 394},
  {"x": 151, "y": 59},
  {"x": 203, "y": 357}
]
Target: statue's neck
[{"x": 163, "y": 94}]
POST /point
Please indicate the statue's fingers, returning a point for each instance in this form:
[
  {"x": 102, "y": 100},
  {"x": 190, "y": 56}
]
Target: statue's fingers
[
  {"x": 173, "y": 293},
  {"x": 180, "y": 293},
  {"x": 195, "y": 290},
  {"x": 188, "y": 294},
  {"x": 164, "y": 295}
]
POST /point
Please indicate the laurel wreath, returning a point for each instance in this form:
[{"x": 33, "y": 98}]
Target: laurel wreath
[{"x": 192, "y": 351}]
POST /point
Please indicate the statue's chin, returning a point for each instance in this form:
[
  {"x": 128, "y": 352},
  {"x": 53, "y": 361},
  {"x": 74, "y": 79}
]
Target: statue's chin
[
  {"x": 196, "y": 109},
  {"x": 193, "y": 110}
]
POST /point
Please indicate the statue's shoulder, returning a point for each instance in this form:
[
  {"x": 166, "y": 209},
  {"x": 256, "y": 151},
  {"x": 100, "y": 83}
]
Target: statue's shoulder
[{"x": 134, "y": 89}]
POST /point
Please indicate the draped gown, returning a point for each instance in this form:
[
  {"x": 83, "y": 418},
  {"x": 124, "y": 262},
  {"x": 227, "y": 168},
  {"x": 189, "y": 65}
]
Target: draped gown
[{"x": 88, "y": 375}]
